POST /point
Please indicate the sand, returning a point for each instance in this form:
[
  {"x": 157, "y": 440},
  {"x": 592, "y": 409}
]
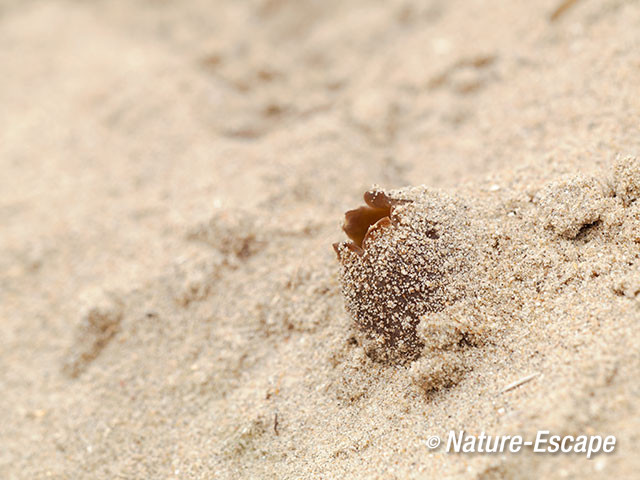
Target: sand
[{"x": 173, "y": 177}]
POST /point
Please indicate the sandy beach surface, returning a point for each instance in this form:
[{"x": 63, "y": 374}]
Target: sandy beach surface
[{"x": 173, "y": 176}]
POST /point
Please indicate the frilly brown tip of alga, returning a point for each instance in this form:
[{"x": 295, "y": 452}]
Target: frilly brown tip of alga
[{"x": 361, "y": 223}]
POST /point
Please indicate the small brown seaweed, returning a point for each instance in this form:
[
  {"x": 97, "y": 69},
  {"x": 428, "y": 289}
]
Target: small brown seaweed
[
  {"x": 358, "y": 222},
  {"x": 407, "y": 248},
  {"x": 363, "y": 221}
]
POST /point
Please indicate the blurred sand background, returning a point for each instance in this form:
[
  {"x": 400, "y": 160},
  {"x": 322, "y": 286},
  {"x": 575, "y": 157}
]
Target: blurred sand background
[{"x": 172, "y": 176}]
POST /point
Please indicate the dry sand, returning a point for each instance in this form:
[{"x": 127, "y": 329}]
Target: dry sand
[{"x": 173, "y": 175}]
